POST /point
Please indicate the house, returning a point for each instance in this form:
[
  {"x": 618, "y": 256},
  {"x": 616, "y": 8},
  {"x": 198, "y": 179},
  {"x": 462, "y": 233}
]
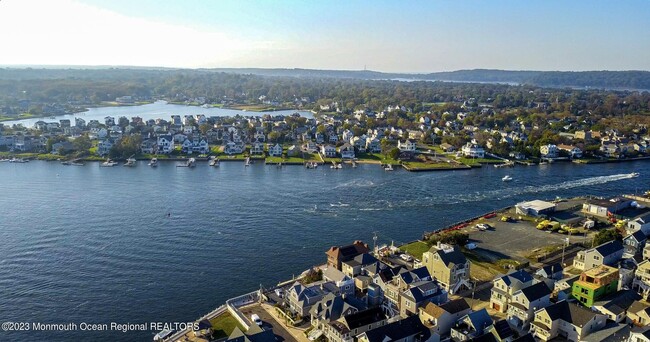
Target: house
[
  {"x": 406, "y": 146},
  {"x": 472, "y": 150},
  {"x": 104, "y": 147},
  {"x": 394, "y": 281},
  {"x": 373, "y": 145},
  {"x": 328, "y": 151},
  {"x": 535, "y": 208},
  {"x": 634, "y": 243},
  {"x": 309, "y": 147},
  {"x": 333, "y": 138},
  {"x": 641, "y": 223},
  {"x": 499, "y": 331},
  {"x": 641, "y": 281},
  {"x": 149, "y": 146},
  {"x": 525, "y": 302},
  {"x": 441, "y": 318},
  {"x": 548, "y": 151},
  {"x": 196, "y": 144},
  {"x": 562, "y": 288},
  {"x": 606, "y": 254},
  {"x": 569, "y": 321},
  {"x": 359, "y": 143},
  {"x": 447, "y": 147},
  {"x": 353, "y": 267},
  {"x": 615, "y": 306},
  {"x": 448, "y": 266},
  {"x": 574, "y": 152},
  {"x": 347, "y": 327},
  {"x": 301, "y": 298},
  {"x": 232, "y": 147},
  {"x": 275, "y": 150},
  {"x": 639, "y": 335},
  {"x": 336, "y": 255},
  {"x": 594, "y": 284},
  {"x": 471, "y": 325},
  {"x": 553, "y": 271},
  {"x": 639, "y": 313},
  {"x": 404, "y": 330},
  {"x": 331, "y": 308},
  {"x": 418, "y": 295},
  {"x": 505, "y": 287},
  {"x": 340, "y": 279},
  {"x": 605, "y": 208},
  {"x": 254, "y": 334},
  {"x": 293, "y": 151},
  {"x": 62, "y": 147},
  {"x": 347, "y": 151},
  {"x": 165, "y": 144},
  {"x": 257, "y": 148}
]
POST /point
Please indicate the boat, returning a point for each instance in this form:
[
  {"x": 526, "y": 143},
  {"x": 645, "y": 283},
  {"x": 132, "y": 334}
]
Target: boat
[
  {"x": 336, "y": 166},
  {"x": 311, "y": 165},
  {"x": 506, "y": 178},
  {"x": 634, "y": 174},
  {"x": 130, "y": 161},
  {"x": 66, "y": 162},
  {"x": 153, "y": 162},
  {"x": 213, "y": 161},
  {"x": 189, "y": 163},
  {"x": 388, "y": 167},
  {"x": 108, "y": 163},
  {"x": 354, "y": 164},
  {"x": 248, "y": 161},
  {"x": 76, "y": 163}
]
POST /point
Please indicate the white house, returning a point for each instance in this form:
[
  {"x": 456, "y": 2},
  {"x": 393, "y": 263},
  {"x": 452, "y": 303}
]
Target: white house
[
  {"x": 257, "y": 148},
  {"x": 347, "y": 151},
  {"x": 165, "y": 144},
  {"x": 328, "y": 151},
  {"x": 104, "y": 146},
  {"x": 232, "y": 147},
  {"x": 473, "y": 151},
  {"x": 275, "y": 150},
  {"x": 373, "y": 145},
  {"x": 406, "y": 146},
  {"x": 573, "y": 151},
  {"x": 548, "y": 151}
]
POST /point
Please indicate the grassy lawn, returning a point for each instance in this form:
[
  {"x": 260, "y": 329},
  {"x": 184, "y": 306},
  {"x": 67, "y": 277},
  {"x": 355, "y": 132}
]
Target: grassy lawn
[
  {"x": 240, "y": 156},
  {"x": 429, "y": 166},
  {"x": 39, "y": 156},
  {"x": 224, "y": 325},
  {"x": 376, "y": 157},
  {"x": 416, "y": 249},
  {"x": 478, "y": 161}
]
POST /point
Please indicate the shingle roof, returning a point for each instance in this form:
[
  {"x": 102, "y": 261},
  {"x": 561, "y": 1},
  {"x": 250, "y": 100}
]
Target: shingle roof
[
  {"x": 399, "y": 330},
  {"x": 618, "y": 302},
  {"x": 519, "y": 275},
  {"x": 502, "y": 329},
  {"x": 364, "y": 317},
  {"x": 609, "y": 248},
  {"x": 551, "y": 269},
  {"x": 572, "y": 313},
  {"x": 536, "y": 291},
  {"x": 454, "y": 257}
]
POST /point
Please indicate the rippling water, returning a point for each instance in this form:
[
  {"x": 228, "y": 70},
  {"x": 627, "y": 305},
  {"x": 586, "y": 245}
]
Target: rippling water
[{"x": 92, "y": 244}]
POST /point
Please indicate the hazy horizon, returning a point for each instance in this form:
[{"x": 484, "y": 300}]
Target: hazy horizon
[{"x": 384, "y": 36}]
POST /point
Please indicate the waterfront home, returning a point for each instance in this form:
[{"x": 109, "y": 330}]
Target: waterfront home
[
  {"x": 373, "y": 145},
  {"x": 401, "y": 279},
  {"x": 340, "y": 279},
  {"x": 641, "y": 223},
  {"x": 346, "y": 328},
  {"x": 473, "y": 150},
  {"x": 441, "y": 318},
  {"x": 447, "y": 147},
  {"x": 608, "y": 253},
  {"x": 548, "y": 151},
  {"x": 569, "y": 321},
  {"x": 309, "y": 147},
  {"x": 359, "y": 143},
  {"x": 574, "y": 152},
  {"x": 165, "y": 144},
  {"x": 505, "y": 287},
  {"x": 293, "y": 151},
  {"x": 610, "y": 150},
  {"x": 347, "y": 151},
  {"x": 254, "y": 333},
  {"x": 471, "y": 325},
  {"x": 149, "y": 146},
  {"x": 336, "y": 255},
  {"x": 104, "y": 147},
  {"x": 347, "y": 136},
  {"x": 332, "y": 307},
  {"x": 419, "y": 294},
  {"x": 447, "y": 265},
  {"x": 196, "y": 144},
  {"x": 301, "y": 298},
  {"x": 405, "y": 330},
  {"x": 257, "y": 148},
  {"x": 232, "y": 147},
  {"x": 639, "y": 313},
  {"x": 328, "y": 151},
  {"x": 605, "y": 207},
  {"x": 616, "y": 305},
  {"x": 524, "y": 303},
  {"x": 634, "y": 243},
  {"x": 275, "y": 150},
  {"x": 406, "y": 145}
]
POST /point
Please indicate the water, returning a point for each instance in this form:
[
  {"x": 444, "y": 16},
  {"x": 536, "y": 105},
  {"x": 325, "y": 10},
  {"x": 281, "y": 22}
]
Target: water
[
  {"x": 154, "y": 110},
  {"x": 95, "y": 245}
]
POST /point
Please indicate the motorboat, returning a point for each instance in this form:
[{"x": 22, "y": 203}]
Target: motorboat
[
  {"x": 248, "y": 161},
  {"x": 189, "y": 163},
  {"x": 388, "y": 167},
  {"x": 108, "y": 163},
  {"x": 130, "y": 161},
  {"x": 213, "y": 161},
  {"x": 506, "y": 178},
  {"x": 153, "y": 162},
  {"x": 634, "y": 174},
  {"x": 311, "y": 165}
]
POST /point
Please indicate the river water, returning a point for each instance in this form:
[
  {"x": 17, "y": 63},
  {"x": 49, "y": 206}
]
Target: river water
[{"x": 95, "y": 245}]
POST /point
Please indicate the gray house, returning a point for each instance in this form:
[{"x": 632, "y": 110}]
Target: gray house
[{"x": 606, "y": 254}]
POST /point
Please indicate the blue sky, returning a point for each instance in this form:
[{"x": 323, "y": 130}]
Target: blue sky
[{"x": 393, "y": 36}]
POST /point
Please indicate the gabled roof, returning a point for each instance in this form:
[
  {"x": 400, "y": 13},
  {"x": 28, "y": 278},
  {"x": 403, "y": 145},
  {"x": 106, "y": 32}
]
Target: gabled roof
[
  {"x": 551, "y": 269},
  {"x": 638, "y": 236},
  {"x": 452, "y": 307},
  {"x": 643, "y": 219},
  {"x": 572, "y": 313},
  {"x": 536, "y": 291},
  {"x": 618, "y": 302},
  {"x": 520, "y": 276},
  {"x": 479, "y": 320},
  {"x": 609, "y": 248},
  {"x": 502, "y": 329},
  {"x": 399, "y": 330},
  {"x": 364, "y": 317},
  {"x": 418, "y": 293},
  {"x": 332, "y": 307},
  {"x": 362, "y": 259},
  {"x": 415, "y": 275},
  {"x": 526, "y": 338},
  {"x": 454, "y": 257},
  {"x": 254, "y": 334}
]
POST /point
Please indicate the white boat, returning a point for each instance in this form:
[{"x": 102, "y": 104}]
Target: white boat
[
  {"x": 311, "y": 165},
  {"x": 18, "y": 160},
  {"x": 506, "y": 178},
  {"x": 130, "y": 161},
  {"x": 213, "y": 161},
  {"x": 388, "y": 167},
  {"x": 108, "y": 163},
  {"x": 153, "y": 162},
  {"x": 634, "y": 174},
  {"x": 248, "y": 161}
]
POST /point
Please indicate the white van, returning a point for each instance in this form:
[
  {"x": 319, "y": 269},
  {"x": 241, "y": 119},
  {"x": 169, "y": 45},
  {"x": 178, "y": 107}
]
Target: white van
[{"x": 256, "y": 319}]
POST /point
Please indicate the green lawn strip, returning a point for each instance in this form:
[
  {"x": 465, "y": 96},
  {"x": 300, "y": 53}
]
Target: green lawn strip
[
  {"x": 224, "y": 325},
  {"x": 429, "y": 166},
  {"x": 416, "y": 249},
  {"x": 478, "y": 161}
]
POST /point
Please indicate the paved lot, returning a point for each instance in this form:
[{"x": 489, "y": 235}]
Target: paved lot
[
  {"x": 514, "y": 240},
  {"x": 281, "y": 333}
]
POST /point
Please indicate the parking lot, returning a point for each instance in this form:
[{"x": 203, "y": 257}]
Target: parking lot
[{"x": 270, "y": 322}]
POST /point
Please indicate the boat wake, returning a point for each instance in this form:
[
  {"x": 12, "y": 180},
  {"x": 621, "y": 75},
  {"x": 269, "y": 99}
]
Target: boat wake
[
  {"x": 339, "y": 204},
  {"x": 357, "y": 183}
]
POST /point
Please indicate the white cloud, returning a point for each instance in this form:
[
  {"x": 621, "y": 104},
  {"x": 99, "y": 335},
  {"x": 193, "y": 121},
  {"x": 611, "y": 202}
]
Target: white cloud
[{"x": 68, "y": 32}]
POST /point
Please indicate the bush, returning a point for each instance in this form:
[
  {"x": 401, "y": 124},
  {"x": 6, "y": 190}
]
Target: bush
[{"x": 451, "y": 238}]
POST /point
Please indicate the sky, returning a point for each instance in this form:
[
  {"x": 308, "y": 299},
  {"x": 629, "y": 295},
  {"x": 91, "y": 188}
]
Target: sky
[{"x": 389, "y": 36}]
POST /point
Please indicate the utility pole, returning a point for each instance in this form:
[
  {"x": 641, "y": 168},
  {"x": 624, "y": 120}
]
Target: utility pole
[{"x": 374, "y": 242}]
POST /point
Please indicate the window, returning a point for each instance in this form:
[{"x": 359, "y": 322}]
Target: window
[{"x": 596, "y": 257}]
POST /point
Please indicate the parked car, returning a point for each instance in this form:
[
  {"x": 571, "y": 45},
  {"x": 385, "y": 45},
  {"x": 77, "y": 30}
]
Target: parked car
[
  {"x": 256, "y": 319},
  {"x": 482, "y": 226},
  {"x": 406, "y": 257},
  {"x": 471, "y": 245}
]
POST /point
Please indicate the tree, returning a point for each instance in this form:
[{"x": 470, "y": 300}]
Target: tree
[
  {"x": 204, "y": 128},
  {"x": 386, "y": 146},
  {"x": 606, "y": 236},
  {"x": 82, "y": 143},
  {"x": 274, "y": 136},
  {"x": 53, "y": 140},
  {"x": 394, "y": 153}
]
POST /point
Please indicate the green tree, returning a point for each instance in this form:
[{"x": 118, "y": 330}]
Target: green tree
[
  {"x": 393, "y": 153},
  {"x": 606, "y": 235},
  {"x": 82, "y": 143}
]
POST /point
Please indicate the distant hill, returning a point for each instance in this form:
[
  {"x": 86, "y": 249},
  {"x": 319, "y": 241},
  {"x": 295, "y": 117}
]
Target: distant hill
[{"x": 632, "y": 80}]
